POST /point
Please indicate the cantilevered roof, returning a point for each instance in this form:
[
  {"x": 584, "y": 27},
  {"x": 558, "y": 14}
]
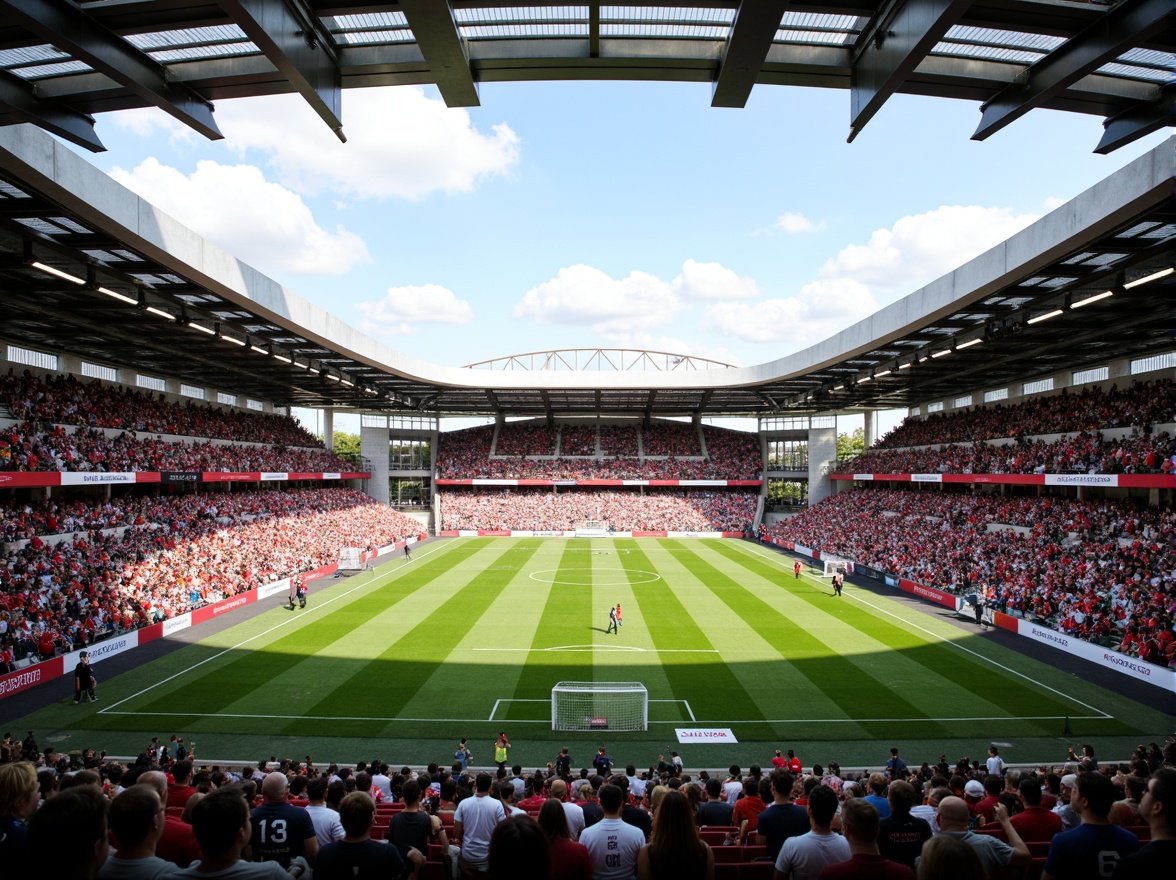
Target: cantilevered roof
[
  {"x": 90, "y": 269},
  {"x": 61, "y": 63}
]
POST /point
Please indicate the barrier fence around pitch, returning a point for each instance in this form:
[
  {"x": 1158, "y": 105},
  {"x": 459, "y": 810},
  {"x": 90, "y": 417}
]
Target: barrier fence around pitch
[
  {"x": 47, "y": 670},
  {"x": 1160, "y": 676},
  {"x": 22, "y": 479}
]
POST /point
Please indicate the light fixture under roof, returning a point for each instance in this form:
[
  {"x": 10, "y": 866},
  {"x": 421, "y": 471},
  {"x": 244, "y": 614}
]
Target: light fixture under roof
[
  {"x": 940, "y": 353},
  {"x": 1045, "y": 317},
  {"x": 58, "y": 273},
  {"x": 160, "y": 312},
  {"x": 969, "y": 343},
  {"x": 1154, "y": 276},
  {"x": 882, "y": 373},
  {"x": 258, "y": 349},
  {"x": 1091, "y": 299},
  {"x": 130, "y": 300},
  {"x": 281, "y": 357},
  {"x": 201, "y": 328}
]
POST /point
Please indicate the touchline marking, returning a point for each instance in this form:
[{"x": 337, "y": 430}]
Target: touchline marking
[
  {"x": 318, "y": 606},
  {"x": 716, "y": 721},
  {"x": 941, "y": 638}
]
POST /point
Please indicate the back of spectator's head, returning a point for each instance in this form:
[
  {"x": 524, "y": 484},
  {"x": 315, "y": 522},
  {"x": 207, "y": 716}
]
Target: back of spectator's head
[
  {"x": 948, "y": 858},
  {"x": 18, "y": 785},
  {"x": 132, "y": 815},
  {"x": 482, "y": 782},
  {"x": 336, "y": 791},
  {"x": 274, "y": 787},
  {"x": 519, "y": 851},
  {"x": 411, "y": 792},
  {"x": 901, "y": 796},
  {"x": 316, "y": 789},
  {"x": 859, "y": 818},
  {"x": 553, "y": 820},
  {"x": 356, "y": 812},
  {"x": 82, "y": 777},
  {"x": 993, "y": 784},
  {"x": 1098, "y": 792},
  {"x": 611, "y": 798},
  {"x": 219, "y": 821},
  {"x": 713, "y": 788},
  {"x": 559, "y": 789},
  {"x": 1030, "y": 790},
  {"x": 182, "y": 771},
  {"x": 751, "y": 786},
  {"x": 69, "y": 833},
  {"x": 877, "y": 783},
  {"x": 630, "y": 770},
  {"x": 809, "y": 783},
  {"x": 782, "y": 782},
  {"x": 823, "y": 804}
]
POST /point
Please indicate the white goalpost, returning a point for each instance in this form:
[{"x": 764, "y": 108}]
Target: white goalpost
[{"x": 599, "y": 705}]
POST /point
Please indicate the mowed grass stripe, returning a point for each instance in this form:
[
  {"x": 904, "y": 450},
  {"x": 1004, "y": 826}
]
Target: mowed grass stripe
[
  {"x": 565, "y": 619},
  {"x": 847, "y": 683},
  {"x": 923, "y": 669},
  {"x": 988, "y": 683},
  {"x": 478, "y": 678},
  {"x": 248, "y": 673},
  {"x": 779, "y": 688},
  {"x": 392, "y": 677},
  {"x": 617, "y": 566},
  {"x": 704, "y": 680}
]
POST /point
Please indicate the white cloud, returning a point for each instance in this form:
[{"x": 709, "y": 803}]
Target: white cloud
[
  {"x": 262, "y": 223},
  {"x": 584, "y": 295},
  {"x": 921, "y": 247},
  {"x": 400, "y": 144},
  {"x": 820, "y": 309},
  {"x": 622, "y": 309},
  {"x": 794, "y": 223},
  {"x": 402, "y": 307},
  {"x": 1051, "y": 202},
  {"x": 705, "y": 282}
]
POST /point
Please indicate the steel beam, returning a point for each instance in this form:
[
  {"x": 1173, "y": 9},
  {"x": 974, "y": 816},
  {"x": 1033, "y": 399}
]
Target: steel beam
[
  {"x": 302, "y": 50},
  {"x": 435, "y": 29},
  {"x": 1136, "y": 122},
  {"x": 901, "y": 36},
  {"x": 1128, "y": 25},
  {"x": 752, "y": 32},
  {"x": 69, "y": 28},
  {"x": 19, "y": 99}
]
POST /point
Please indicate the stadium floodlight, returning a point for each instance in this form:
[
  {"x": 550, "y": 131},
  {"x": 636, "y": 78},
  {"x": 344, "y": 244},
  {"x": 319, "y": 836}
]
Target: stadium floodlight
[
  {"x": 1154, "y": 276},
  {"x": 1091, "y": 299},
  {"x": 1044, "y": 317},
  {"x": 599, "y": 705}
]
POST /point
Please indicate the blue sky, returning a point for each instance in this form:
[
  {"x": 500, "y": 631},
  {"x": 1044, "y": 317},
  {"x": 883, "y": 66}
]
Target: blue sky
[{"x": 634, "y": 215}]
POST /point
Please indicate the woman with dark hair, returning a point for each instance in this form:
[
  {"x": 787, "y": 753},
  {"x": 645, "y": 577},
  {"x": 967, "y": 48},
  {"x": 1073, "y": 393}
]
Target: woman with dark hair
[
  {"x": 569, "y": 860},
  {"x": 519, "y": 851},
  {"x": 674, "y": 851}
]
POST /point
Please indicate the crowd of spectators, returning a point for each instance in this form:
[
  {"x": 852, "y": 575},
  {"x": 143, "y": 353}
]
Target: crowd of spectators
[
  {"x": 669, "y": 451},
  {"x": 68, "y": 400},
  {"x": 1087, "y": 452},
  {"x": 543, "y": 510},
  {"x": 169, "y": 815},
  {"x": 1099, "y": 569},
  {"x": 176, "y": 553},
  {"x": 961, "y": 442},
  {"x": 25, "y": 448},
  {"x": 1137, "y": 405}
]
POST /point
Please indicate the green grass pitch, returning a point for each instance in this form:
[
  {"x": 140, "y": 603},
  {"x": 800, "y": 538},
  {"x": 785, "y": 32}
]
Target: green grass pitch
[{"x": 469, "y": 637}]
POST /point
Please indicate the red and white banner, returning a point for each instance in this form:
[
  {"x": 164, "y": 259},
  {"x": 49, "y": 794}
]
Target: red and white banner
[
  {"x": 1134, "y": 481},
  {"x": 604, "y": 484},
  {"x": 22, "y": 479}
]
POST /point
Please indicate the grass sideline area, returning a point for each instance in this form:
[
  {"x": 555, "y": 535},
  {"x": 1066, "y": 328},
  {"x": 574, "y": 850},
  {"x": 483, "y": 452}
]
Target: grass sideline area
[{"x": 469, "y": 637}]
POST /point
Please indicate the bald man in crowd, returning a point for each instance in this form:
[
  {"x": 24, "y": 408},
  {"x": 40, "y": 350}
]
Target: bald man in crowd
[
  {"x": 281, "y": 831},
  {"x": 994, "y": 853}
]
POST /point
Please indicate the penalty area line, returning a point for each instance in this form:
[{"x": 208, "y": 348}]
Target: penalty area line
[{"x": 318, "y": 606}]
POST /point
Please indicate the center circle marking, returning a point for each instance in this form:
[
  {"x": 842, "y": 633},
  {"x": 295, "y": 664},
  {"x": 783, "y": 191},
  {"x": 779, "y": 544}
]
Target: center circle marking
[{"x": 593, "y": 579}]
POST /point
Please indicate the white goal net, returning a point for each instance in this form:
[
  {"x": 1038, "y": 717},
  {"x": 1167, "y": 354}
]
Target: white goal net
[
  {"x": 835, "y": 565},
  {"x": 599, "y": 705},
  {"x": 592, "y": 528}
]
